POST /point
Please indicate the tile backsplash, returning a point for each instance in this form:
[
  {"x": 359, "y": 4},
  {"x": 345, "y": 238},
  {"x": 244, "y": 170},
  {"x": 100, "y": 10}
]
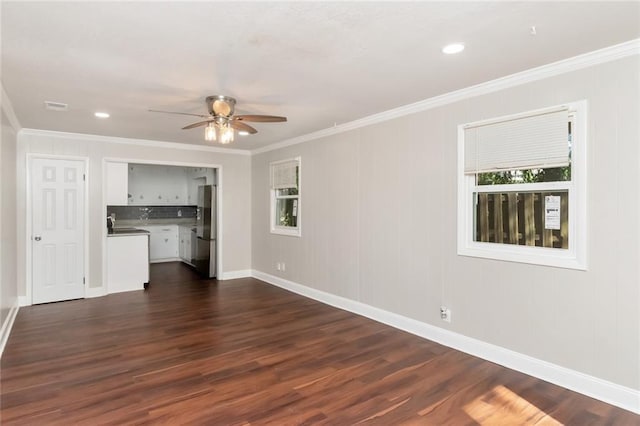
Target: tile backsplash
[{"x": 151, "y": 212}]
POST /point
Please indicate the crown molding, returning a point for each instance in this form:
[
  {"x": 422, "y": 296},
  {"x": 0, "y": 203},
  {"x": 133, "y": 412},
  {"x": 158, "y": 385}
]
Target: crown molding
[
  {"x": 564, "y": 66},
  {"x": 129, "y": 141},
  {"x": 7, "y": 107}
]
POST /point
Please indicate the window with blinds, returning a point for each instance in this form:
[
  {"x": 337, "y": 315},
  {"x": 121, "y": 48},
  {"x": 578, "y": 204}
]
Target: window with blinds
[
  {"x": 284, "y": 174},
  {"x": 529, "y": 142},
  {"x": 285, "y": 197},
  {"x": 518, "y": 195}
]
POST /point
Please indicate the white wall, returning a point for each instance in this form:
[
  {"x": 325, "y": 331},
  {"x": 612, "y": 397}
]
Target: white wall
[
  {"x": 8, "y": 276},
  {"x": 235, "y": 179},
  {"x": 379, "y": 227}
]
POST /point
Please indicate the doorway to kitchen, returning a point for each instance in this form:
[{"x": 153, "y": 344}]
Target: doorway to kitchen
[{"x": 178, "y": 204}]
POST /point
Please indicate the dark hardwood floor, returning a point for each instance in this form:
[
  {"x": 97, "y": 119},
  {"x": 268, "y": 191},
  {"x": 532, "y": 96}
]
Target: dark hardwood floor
[{"x": 191, "y": 351}]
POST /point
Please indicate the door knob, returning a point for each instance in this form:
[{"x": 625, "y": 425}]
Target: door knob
[{"x": 37, "y": 238}]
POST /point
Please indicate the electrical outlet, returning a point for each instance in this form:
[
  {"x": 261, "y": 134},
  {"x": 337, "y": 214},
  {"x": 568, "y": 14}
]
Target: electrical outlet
[
  {"x": 445, "y": 314},
  {"x": 282, "y": 266},
  {"x": 277, "y": 266}
]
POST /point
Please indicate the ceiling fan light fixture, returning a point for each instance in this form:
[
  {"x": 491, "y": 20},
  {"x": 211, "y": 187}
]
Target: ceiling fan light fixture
[
  {"x": 219, "y": 130},
  {"x": 226, "y": 134},
  {"x": 221, "y": 124},
  {"x": 210, "y": 133},
  {"x": 220, "y": 105}
]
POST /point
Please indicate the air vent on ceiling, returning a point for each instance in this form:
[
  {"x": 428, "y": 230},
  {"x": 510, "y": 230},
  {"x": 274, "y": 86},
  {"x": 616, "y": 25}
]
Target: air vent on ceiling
[{"x": 55, "y": 106}]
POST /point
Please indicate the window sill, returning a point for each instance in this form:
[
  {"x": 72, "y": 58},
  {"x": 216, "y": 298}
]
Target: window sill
[
  {"x": 293, "y": 232},
  {"x": 558, "y": 258}
]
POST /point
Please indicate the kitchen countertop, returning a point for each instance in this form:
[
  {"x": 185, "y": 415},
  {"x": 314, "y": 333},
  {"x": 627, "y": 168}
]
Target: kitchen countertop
[{"x": 123, "y": 232}]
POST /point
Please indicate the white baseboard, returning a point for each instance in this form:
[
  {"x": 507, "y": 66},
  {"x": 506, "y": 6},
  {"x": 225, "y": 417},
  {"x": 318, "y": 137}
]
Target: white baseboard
[
  {"x": 166, "y": 259},
  {"x": 91, "y": 292},
  {"x": 611, "y": 393},
  {"x": 126, "y": 290},
  {"x": 232, "y": 275},
  {"x": 7, "y": 325},
  {"x": 24, "y": 301}
]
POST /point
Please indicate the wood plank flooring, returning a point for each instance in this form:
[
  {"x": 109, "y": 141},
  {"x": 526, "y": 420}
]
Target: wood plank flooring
[{"x": 192, "y": 351}]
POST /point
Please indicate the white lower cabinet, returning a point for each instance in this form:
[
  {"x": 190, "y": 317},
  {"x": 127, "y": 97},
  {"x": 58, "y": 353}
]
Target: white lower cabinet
[
  {"x": 163, "y": 242},
  {"x": 127, "y": 263},
  {"x": 184, "y": 242}
]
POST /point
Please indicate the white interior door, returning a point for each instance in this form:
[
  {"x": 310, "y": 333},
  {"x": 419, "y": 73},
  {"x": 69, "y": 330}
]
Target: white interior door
[{"x": 57, "y": 229}]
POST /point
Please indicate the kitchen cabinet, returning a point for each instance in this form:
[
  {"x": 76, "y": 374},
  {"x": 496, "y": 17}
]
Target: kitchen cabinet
[
  {"x": 127, "y": 262},
  {"x": 184, "y": 237},
  {"x": 157, "y": 185},
  {"x": 197, "y": 176},
  {"x": 163, "y": 242},
  {"x": 117, "y": 186}
]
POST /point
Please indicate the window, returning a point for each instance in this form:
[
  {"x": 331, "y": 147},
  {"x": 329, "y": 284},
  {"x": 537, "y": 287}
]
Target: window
[
  {"x": 522, "y": 186},
  {"x": 285, "y": 197}
]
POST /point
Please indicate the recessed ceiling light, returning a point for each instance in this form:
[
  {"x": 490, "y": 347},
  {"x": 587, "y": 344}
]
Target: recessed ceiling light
[
  {"x": 101, "y": 115},
  {"x": 243, "y": 133},
  {"x": 452, "y": 48}
]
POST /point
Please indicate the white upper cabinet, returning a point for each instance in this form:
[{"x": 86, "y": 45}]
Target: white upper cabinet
[
  {"x": 197, "y": 176},
  {"x": 117, "y": 184},
  {"x": 156, "y": 185}
]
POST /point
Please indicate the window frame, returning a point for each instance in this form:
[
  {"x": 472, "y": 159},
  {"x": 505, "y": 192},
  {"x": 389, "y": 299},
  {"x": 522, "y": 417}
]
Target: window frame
[
  {"x": 574, "y": 257},
  {"x": 286, "y": 230}
]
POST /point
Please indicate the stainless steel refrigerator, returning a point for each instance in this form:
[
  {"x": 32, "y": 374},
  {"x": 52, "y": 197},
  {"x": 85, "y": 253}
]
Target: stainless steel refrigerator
[{"x": 205, "y": 247}]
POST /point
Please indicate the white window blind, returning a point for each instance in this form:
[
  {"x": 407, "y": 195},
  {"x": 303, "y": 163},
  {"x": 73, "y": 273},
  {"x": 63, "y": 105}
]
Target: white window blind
[
  {"x": 284, "y": 175},
  {"x": 535, "y": 141}
]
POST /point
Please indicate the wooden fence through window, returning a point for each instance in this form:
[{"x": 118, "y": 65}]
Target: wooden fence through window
[{"x": 518, "y": 218}]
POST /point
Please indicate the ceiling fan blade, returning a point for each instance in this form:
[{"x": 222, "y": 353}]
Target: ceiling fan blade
[
  {"x": 238, "y": 125},
  {"x": 198, "y": 124},
  {"x": 181, "y": 113},
  {"x": 260, "y": 118}
]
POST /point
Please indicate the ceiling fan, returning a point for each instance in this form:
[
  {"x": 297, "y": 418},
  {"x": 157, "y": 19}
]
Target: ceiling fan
[{"x": 221, "y": 123}]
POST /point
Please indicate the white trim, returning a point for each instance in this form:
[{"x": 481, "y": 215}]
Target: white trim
[
  {"x": 7, "y": 107},
  {"x": 166, "y": 259},
  {"x": 232, "y": 275},
  {"x": 611, "y": 393},
  {"x": 7, "y": 325},
  {"x": 24, "y": 301},
  {"x": 129, "y": 141},
  {"x": 28, "y": 297},
  {"x": 219, "y": 222},
  {"x": 282, "y": 230},
  {"x": 608, "y": 54},
  {"x": 575, "y": 257},
  {"x": 219, "y": 192},
  {"x": 91, "y": 292}
]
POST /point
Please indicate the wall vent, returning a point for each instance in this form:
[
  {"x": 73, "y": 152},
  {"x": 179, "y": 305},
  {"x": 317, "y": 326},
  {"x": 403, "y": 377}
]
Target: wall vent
[{"x": 55, "y": 106}]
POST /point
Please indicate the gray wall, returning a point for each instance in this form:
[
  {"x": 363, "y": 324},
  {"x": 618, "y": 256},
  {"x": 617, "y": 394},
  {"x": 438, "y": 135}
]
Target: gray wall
[
  {"x": 8, "y": 284},
  {"x": 236, "y": 198},
  {"x": 379, "y": 227}
]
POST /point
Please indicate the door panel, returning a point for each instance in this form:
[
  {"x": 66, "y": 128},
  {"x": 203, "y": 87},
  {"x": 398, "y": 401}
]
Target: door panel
[{"x": 58, "y": 230}]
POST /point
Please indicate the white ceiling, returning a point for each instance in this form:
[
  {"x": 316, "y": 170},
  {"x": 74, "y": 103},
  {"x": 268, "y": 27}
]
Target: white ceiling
[{"x": 317, "y": 63}]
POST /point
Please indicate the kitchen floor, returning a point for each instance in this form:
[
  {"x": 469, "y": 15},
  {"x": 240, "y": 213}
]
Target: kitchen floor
[{"x": 194, "y": 351}]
